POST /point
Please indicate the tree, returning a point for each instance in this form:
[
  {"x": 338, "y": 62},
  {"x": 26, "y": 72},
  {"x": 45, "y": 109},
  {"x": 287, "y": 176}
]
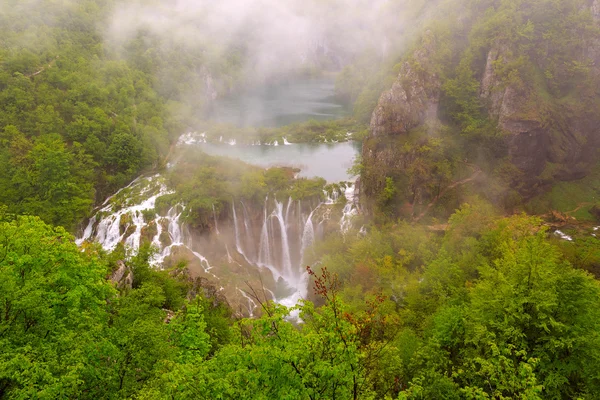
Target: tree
[
  {"x": 53, "y": 301},
  {"x": 527, "y": 328}
]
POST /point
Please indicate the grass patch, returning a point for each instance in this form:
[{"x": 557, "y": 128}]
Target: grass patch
[{"x": 575, "y": 197}]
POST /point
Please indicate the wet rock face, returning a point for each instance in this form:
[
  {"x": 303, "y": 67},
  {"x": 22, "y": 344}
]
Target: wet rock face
[
  {"x": 122, "y": 277},
  {"x": 594, "y": 48},
  {"x": 534, "y": 140},
  {"x": 412, "y": 100},
  {"x": 513, "y": 107},
  {"x": 411, "y": 103}
]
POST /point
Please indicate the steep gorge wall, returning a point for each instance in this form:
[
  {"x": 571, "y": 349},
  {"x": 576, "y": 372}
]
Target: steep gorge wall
[
  {"x": 412, "y": 102},
  {"x": 539, "y": 132},
  {"x": 547, "y": 136}
]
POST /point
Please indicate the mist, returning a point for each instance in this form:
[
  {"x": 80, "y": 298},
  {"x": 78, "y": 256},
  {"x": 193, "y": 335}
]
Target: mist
[{"x": 273, "y": 37}]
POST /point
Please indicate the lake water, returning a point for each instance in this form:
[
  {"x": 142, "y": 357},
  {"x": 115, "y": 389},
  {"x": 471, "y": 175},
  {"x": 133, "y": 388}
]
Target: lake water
[
  {"x": 329, "y": 161},
  {"x": 280, "y": 104}
]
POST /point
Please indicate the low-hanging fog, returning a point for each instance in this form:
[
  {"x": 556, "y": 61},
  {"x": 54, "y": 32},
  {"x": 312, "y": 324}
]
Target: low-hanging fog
[{"x": 272, "y": 37}]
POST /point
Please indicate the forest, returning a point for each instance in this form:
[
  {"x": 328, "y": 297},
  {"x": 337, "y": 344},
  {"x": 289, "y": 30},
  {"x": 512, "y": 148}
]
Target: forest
[{"x": 472, "y": 277}]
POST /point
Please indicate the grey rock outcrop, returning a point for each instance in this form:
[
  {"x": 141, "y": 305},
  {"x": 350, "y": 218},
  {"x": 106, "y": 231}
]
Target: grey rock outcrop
[
  {"x": 596, "y": 10},
  {"x": 122, "y": 277},
  {"x": 535, "y": 135},
  {"x": 513, "y": 107},
  {"x": 414, "y": 97}
]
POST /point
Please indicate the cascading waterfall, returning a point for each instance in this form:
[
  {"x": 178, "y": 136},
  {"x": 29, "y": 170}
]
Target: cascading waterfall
[
  {"x": 308, "y": 236},
  {"x": 286, "y": 259},
  {"x": 264, "y": 252},
  {"x": 251, "y": 303},
  {"x": 175, "y": 235},
  {"x": 286, "y": 233},
  {"x": 278, "y": 242},
  {"x": 238, "y": 243},
  {"x": 287, "y": 210},
  {"x": 215, "y": 217},
  {"x": 350, "y": 210},
  {"x": 108, "y": 229},
  {"x": 87, "y": 233},
  {"x": 248, "y": 228}
]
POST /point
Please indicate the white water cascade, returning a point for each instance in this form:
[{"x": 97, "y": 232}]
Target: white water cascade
[
  {"x": 215, "y": 218},
  {"x": 109, "y": 227},
  {"x": 287, "y": 231},
  {"x": 276, "y": 238},
  {"x": 285, "y": 244},
  {"x": 308, "y": 235},
  {"x": 350, "y": 209},
  {"x": 128, "y": 220}
]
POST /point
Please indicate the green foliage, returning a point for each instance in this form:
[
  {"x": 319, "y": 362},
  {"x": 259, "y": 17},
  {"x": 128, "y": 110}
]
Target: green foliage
[
  {"x": 481, "y": 307},
  {"x": 65, "y": 332},
  {"x": 574, "y": 197},
  {"x": 311, "y": 131},
  {"x": 53, "y": 300},
  {"x": 77, "y": 123},
  {"x": 423, "y": 168},
  {"x": 208, "y": 185},
  {"x": 490, "y": 309}
]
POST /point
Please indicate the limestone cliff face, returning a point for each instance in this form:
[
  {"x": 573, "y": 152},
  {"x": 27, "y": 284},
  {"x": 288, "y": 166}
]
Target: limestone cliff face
[
  {"x": 594, "y": 49},
  {"x": 546, "y": 139},
  {"x": 537, "y": 133},
  {"x": 413, "y": 99},
  {"x": 514, "y": 108},
  {"x": 412, "y": 102}
]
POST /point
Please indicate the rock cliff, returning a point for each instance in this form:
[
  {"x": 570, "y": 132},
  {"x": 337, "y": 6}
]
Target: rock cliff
[
  {"x": 538, "y": 132},
  {"x": 515, "y": 110},
  {"x": 412, "y": 102},
  {"x": 549, "y": 125},
  {"x": 414, "y": 97}
]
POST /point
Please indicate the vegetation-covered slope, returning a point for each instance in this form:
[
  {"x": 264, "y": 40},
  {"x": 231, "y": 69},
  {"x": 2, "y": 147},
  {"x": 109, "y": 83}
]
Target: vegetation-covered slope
[
  {"x": 511, "y": 86},
  {"x": 492, "y": 309},
  {"x": 76, "y": 123}
]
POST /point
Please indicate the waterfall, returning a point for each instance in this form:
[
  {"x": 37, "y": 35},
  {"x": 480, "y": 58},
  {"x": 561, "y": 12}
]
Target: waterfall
[
  {"x": 174, "y": 227},
  {"x": 87, "y": 233},
  {"x": 350, "y": 210},
  {"x": 175, "y": 234},
  {"x": 108, "y": 232},
  {"x": 237, "y": 231},
  {"x": 251, "y": 303},
  {"x": 288, "y": 228},
  {"x": 156, "y": 240},
  {"x": 287, "y": 210},
  {"x": 286, "y": 259},
  {"x": 264, "y": 250},
  {"x": 248, "y": 236},
  {"x": 108, "y": 229},
  {"x": 308, "y": 237},
  {"x": 238, "y": 244},
  {"x": 203, "y": 262},
  {"x": 215, "y": 217},
  {"x": 133, "y": 241}
]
